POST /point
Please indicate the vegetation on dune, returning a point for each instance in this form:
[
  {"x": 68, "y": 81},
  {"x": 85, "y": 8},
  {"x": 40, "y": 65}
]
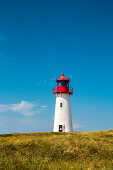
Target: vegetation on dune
[{"x": 54, "y": 151}]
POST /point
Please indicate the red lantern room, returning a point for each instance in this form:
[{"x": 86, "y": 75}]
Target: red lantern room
[{"x": 63, "y": 86}]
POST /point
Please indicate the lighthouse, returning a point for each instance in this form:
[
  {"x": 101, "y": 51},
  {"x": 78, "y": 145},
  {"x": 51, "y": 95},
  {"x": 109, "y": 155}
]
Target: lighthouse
[{"x": 62, "y": 119}]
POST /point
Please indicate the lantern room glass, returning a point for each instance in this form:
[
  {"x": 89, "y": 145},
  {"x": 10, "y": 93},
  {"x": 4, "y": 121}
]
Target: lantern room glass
[{"x": 63, "y": 83}]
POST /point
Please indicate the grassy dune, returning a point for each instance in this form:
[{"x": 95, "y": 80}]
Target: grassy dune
[{"x": 54, "y": 151}]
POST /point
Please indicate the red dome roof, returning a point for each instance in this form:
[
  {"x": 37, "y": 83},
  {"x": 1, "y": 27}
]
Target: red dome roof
[{"x": 63, "y": 78}]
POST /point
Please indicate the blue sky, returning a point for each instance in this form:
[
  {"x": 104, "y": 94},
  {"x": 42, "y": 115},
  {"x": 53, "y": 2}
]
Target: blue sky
[{"x": 41, "y": 39}]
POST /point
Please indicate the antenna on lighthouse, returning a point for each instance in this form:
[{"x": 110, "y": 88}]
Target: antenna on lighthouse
[{"x": 70, "y": 77}]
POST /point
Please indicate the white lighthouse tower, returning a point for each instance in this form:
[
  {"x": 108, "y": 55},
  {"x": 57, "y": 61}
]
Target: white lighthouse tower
[{"x": 62, "y": 119}]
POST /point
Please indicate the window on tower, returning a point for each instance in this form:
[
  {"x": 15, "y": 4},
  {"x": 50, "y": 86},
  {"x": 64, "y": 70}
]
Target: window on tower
[{"x": 60, "y": 104}]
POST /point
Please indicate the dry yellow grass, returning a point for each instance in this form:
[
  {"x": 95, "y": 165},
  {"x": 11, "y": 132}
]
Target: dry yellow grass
[{"x": 54, "y": 151}]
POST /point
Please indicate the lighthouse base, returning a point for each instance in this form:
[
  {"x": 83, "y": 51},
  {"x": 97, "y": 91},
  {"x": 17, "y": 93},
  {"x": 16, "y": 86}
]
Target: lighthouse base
[{"x": 62, "y": 120}]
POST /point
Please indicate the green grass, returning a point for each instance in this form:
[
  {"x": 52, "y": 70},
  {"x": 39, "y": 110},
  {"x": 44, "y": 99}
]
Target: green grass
[{"x": 57, "y": 151}]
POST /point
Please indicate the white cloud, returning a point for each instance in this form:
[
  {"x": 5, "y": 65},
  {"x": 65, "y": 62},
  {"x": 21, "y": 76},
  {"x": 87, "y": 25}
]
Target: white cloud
[
  {"x": 24, "y": 108},
  {"x": 24, "y": 124},
  {"x": 4, "y": 108},
  {"x": 44, "y": 106},
  {"x": 76, "y": 126}
]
